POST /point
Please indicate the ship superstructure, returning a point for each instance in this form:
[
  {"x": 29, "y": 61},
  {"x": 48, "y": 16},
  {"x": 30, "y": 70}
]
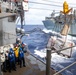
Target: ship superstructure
[{"x": 56, "y": 23}]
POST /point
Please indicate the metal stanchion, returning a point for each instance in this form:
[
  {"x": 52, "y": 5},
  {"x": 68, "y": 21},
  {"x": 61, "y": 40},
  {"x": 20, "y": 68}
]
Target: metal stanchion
[
  {"x": 48, "y": 58},
  {"x": 48, "y": 62}
]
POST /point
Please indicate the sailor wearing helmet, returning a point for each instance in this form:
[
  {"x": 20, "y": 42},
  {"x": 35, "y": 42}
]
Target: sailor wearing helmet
[
  {"x": 11, "y": 58},
  {"x": 21, "y": 58},
  {"x": 16, "y": 51},
  {"x": 3, "y": 63}
]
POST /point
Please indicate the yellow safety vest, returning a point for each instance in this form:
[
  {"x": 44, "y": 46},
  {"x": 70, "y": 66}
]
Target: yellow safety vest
[{"x": 16, "y": 51}]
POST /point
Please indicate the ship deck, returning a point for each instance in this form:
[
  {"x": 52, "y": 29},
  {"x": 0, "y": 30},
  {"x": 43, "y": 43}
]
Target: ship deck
[{"x": 33, "y": 67}]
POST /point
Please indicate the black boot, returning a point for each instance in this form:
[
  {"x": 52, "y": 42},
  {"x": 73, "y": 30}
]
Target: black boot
[{"x": 24, "y": 65}]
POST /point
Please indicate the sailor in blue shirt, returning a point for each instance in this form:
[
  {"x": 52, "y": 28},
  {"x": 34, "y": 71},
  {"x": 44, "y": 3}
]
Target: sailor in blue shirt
[
  {"x": 11, "y": 50},
  {"x": 24, "y": 47},
  {"x": 11, "y": 57},
  {"x": 21, "y": 58}
]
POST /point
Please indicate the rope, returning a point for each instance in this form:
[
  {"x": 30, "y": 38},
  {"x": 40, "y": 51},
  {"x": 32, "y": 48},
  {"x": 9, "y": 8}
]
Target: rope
[{"x": 58, "y": 2}]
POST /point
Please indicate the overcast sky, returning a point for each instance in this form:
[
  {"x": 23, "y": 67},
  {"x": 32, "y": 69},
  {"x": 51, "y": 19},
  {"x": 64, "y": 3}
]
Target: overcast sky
[{"x": 35, "y": 16}]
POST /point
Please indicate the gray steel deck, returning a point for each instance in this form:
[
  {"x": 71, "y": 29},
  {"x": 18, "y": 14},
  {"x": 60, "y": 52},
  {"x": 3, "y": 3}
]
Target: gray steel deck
[{"x": 33, "y": 67}]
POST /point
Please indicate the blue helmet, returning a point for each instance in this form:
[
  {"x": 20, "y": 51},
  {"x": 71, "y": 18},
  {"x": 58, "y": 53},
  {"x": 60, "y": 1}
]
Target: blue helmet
[{"x": 11, "y": 50}]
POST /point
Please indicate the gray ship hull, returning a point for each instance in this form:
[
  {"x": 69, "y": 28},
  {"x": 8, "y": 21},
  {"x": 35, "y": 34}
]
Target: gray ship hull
[{"x": 50, "y": 25}]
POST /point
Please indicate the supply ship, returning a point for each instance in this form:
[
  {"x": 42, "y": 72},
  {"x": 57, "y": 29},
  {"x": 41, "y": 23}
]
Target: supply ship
[{"x": 56, "y": 23}]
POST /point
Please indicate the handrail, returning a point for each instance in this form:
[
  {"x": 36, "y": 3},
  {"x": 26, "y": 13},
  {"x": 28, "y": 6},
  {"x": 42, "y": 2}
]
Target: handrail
[
  {"x": 65, "y": 68},
  {"x": 56, "y": 51},
  {"x": 38, "y": 59}
]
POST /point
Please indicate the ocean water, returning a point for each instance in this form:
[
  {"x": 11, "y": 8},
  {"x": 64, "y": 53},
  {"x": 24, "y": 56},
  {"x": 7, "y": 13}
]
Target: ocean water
[
  {"x": 37, "y": 40},
  {"x": 36, "y": 37}
]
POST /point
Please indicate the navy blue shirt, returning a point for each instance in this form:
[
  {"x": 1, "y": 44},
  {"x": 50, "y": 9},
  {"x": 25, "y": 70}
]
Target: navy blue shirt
[
  {"x": 11, "y": 57},
  {"x": 21, "y": 54}
]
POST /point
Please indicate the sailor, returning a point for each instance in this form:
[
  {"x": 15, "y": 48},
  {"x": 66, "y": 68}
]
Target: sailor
[
  {"x": 16, "y": 51},
  {"x": 21, "y": 45},
  {"x": 21, "y": 58},
  {"x": 3, "y": 63},
  {"x": 6, "y": 59},
  {"x": 18, "y": 40},
  {"x": 11, "y": 57},
  {"x": 11, "y": 50},
  {"x": 24, "y": 47}
]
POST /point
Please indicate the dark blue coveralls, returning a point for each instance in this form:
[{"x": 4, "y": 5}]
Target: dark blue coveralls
[
  {"x": 21, "y": 58},
  {"x": 11, "y": 57}
]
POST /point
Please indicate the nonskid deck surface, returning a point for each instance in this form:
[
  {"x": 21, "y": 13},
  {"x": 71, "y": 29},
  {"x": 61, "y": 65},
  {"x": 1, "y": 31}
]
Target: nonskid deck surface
[{"x": 33, "y": 67}]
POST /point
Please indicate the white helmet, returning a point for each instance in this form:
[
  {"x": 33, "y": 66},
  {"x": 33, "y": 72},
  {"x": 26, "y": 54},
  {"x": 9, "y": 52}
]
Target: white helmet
[
  {"x": 18, "y": 38},
  {"x": 1, "y": 51},
  {"x": 11, "y": 45}
]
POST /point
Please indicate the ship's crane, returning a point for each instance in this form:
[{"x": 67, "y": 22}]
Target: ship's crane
[{"x": 66, "y": 9}]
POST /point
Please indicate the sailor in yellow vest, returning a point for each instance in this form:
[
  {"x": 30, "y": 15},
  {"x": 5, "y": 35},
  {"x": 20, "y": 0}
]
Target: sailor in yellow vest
[{"x": 16, "y": 51}]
